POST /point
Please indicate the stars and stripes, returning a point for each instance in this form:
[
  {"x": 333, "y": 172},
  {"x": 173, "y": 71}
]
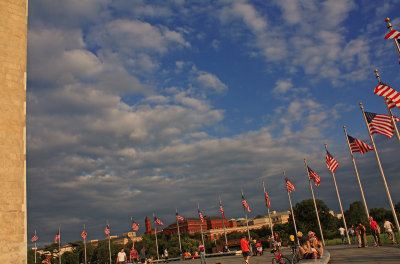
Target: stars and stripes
[
  {"x": 394, "y": 34},
  {"x": 84, "y": 234},
  {"x": 107, "y": 230},
  {"x": 267, "y": 202},
  {"x": 179, "y": 218},
  {"x": 313, "y": 176},
  {"x": 391, "y": 95},
  {"x": 380, "y": 124},
  {"x": 135, "y": 226},
  {"x": 245, "y": 204},
  {"x": 357, "y": 145},
  {"x": 34, "y": 238},
  {"x": 201, "y": 216},
  {"x": 57, "y": 237},
  {"x": 158, "y": 222},
  {"x": 289, "y": 185},
  {"x": 331, "y": 163},
  {"x": 222, "y": 210}
]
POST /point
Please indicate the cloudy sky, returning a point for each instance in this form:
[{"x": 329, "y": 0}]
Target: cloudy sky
[{"x": 135, "y": 108}]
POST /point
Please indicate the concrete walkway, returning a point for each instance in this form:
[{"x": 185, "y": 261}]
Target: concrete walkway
[{"x": 353, "y": 254}]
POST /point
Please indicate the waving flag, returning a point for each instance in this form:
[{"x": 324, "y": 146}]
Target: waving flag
[
  {"x": 391, "y": 95},
  {"x": 267, "y": 202},
  {"x": 358, "y": 146},
  {"x": 34, "y": 238},
  {"x": 158, "y": 222},
  {"x": 331, "y": 163},
  {"x": 107, "y": 230},
  {"x": 245, "y": 204},
  {"x": 83, "y": 234},
  {"x": 394, "y": 34},
  {"x": 314, "y": 176},
  {"x": 222, "y": 210},
  {"x": 57, "y": 237},
  {"x": 135, "y": 226},
  {"x": 380, "y": 124},
  {"x": 201, "y": 216},
  {"x": 289, "y": 185},
  {"x": 179, "y": 218}
]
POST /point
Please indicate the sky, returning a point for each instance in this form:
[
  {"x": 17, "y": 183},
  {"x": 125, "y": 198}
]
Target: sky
[{"x": 141, "y": 107}]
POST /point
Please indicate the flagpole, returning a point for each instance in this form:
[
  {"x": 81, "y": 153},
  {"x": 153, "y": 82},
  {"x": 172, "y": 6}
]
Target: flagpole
[
  {"x": 291, "y": 208},
  {"x": 388, "y": 108},
  {"x": 35, "y": 247},
  {"x": 109, "y": 241},
  {"x": 315, "y": 203},
  {"x": 269, "y": 216},
  {"x": 340, "y": 202},
  {"x": 223, "y": 221},
  {"x": 201, "y": 225},
  {"x": 179, "y": 233},
  {"x": 59, "y": 245},
  {"x": 389, "y": 26},
  {"x": 155, "y": 234},
  {"x": 381, "y": 171},
  {"x": 133, "y": 241},
  {"x": 84, "y": 242},
  {"x": 356, "y": 171},
  {"x": 247, "y": 222}
]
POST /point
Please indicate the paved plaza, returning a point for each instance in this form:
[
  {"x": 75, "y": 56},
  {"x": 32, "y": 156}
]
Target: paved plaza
[{"x": 339, "y": 254}]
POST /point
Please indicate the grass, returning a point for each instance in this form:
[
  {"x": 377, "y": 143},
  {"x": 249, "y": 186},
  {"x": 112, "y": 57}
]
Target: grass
[{"x": 384, "y": 240}]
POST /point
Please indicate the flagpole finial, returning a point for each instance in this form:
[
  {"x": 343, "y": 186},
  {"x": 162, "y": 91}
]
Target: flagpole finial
[
  {"x": 361, "y": 106},
  {"x": 377, "y": 75},
  {"x": 388, "y": 24},
  {"x": 344, "y": 126}
]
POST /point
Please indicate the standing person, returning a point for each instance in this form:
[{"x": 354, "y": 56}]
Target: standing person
[
  {"x": 121, "y": 257},
  {"x": 389, "y": 230},
  {"x": 342, "y": 233},
  {"x": 352, "y": 233},
  {"x": 361, "y": 235},
  {"x": 143, "y": 255},
  {"x": 244, "y": 245},
  {"x": 375, "y": 231},
  {"x": 133, "y": 256},
  {"x": 47, "y": 260},
  {"x": 166, "y": 255},
  {"x": 202, "y": 252}
]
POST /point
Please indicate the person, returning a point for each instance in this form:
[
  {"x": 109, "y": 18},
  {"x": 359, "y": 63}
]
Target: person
[
  {"x": 133, "y": 256},
  {"x": 277, "y": 241},
  {"x": 225, "y": 249},
  {"x": 314, "y": 245},
  {"x": 362, "y": 242},
  {"x": 352, "y": 234},
  {"x": 143, "y": 255},
  {"x": 202, "y": 251},
  {"x": 166, "y": 255},
  {"x": 342, "y": 233},
  {"x": 300, "y": 237},
  {"x": 121, "y": 257},
  {"x": 388, "y": 226},
  {"x": 253, "y": 247},
  {"x": 244, "y": 246},
  {"x": 259, "y": 247},
  {"x": 375, "y": 231},
  {"x": 47, "y": 260}
]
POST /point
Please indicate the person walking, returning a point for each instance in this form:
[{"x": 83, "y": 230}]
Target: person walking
[
  {"x": 352, "y": 234},
  {"x": 375, "y": 231},
  {"x": 202, "y": 252},
  {"x": 121, "y": 257},
  {"x": 342, "y": 233},
  {"x": 143, "y": 255},
  {"x": 244, "y": 245},
  {"x": 389, "y": 230},
  {"x": 361, "y": 235},
  {"x": 134, "y": 256}
]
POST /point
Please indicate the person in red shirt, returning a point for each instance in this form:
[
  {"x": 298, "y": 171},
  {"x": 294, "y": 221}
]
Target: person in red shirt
[
  {"x": 244, "y": 245},
  {"x": 375, "y": 231},
  {"x": 134, "y": 255}
]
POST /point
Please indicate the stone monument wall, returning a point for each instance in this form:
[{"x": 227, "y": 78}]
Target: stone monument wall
[{"x": 13, "y": 56}]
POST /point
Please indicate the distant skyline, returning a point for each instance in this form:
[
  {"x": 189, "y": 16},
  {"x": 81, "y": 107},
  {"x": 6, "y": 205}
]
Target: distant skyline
[{"x": 135, "y": 108}]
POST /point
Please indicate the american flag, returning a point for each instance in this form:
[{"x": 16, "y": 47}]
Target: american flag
[
  {"x": 57, "y": 237},
  {"x": 135, "y": 226},
  {"x": 179, "y": 218},
  {"x": 289, "y": 185},
  {"x": 331, "y": 163},
  {"x": 158, "y": 222},
  {"x": 381, "y": 124},
  {"x": 245, "y": 204},
  {"x": 391, "y": 95},
  {"x": 314, "y": 176},
  {"x": 107, "y": 230},
  {"x": 83, "y": 234},
  {"x": 357, "y": 145},
  {"x": 222, "y": 210},
  {"x": 267, "y": 202},
  {"x": 201, "y": 216},
  {"x": 394, "y": 34},
  {"x": 34, "y": 238}
]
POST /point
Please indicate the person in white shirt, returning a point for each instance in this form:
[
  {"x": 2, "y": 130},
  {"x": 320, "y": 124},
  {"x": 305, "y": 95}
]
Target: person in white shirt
[
  {"x": 389, "y": 229},
  {"x": 342, "y": 233},
  {"x": 121, "y": 257}
]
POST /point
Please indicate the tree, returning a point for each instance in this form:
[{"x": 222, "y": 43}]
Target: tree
[
  {"x": 356, "y": 214},
  {"x": 381, "y": 213}
]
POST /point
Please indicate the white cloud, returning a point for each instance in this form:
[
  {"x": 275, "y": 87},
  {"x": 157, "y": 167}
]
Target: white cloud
[
  {"x": 282, "y": 86},
  {"x": 210, "y": 81}
]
